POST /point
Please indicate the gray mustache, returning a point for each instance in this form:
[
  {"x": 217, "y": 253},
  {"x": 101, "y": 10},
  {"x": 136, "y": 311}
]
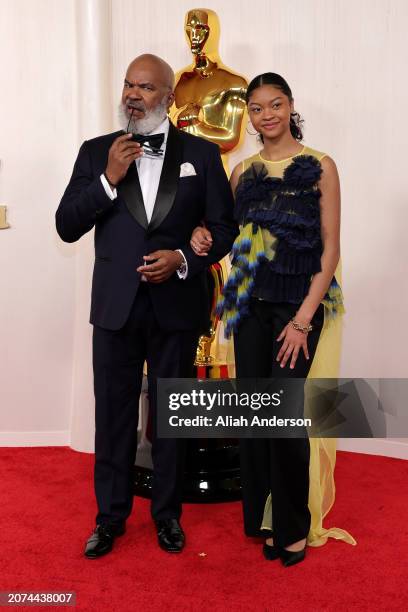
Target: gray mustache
[{"x": 136, "y": 107}]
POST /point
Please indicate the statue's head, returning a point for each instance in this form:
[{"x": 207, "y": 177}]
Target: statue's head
[{"x": 202, "y": 29}]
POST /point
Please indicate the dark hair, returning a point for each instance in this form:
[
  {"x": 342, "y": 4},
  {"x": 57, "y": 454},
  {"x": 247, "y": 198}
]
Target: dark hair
[{"x": 271, "y": 78}]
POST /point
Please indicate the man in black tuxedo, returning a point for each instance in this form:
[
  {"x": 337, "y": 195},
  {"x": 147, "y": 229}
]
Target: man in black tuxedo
[{"x": 144, "y": 196}]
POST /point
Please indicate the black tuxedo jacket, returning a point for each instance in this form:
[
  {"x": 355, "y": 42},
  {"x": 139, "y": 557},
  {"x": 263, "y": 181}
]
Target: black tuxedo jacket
[{"x": 123, "y": 235}]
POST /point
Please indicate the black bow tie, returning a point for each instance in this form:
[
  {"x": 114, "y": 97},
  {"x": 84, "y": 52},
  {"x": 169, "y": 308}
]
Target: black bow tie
[{"x": 154, "y": 141}]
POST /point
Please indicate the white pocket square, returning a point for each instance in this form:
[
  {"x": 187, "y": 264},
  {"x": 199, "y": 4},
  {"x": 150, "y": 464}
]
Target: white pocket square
[{"x": 187, "y": 169}]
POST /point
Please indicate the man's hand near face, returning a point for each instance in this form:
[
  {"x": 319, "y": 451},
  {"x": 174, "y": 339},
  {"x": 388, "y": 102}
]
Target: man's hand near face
[{"x": 122, "y": 153}]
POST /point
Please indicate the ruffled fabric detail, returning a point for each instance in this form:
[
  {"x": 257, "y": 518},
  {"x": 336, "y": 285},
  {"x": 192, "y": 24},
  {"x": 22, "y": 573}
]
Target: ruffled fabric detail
[
  {"x": 247, "y": 253},
  {"x": 291, "y": 289},
  {"x": 304, "y": 171},
  {"x": 294, "y": 262},
  {"x": 254, "y": 187},
  {"x": 287, "y": 210}
]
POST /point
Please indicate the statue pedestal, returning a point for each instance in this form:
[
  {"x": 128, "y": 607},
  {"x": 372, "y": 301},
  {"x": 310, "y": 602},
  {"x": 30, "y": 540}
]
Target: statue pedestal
[
  {"x": 212, "y": 476},
  {"x": 212, "y": 465}
]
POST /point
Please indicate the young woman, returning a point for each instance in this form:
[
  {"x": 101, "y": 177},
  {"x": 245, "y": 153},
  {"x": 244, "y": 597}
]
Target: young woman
[{"x": 288, "y": 207}]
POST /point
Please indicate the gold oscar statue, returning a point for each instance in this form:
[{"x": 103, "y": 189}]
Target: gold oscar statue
[
  {"x": 209, "y": 102},
  {"x": 210, "y": 97}
]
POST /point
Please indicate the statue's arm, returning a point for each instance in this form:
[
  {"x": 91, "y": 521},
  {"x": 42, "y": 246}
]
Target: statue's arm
[{"x": 219, "y": 122}]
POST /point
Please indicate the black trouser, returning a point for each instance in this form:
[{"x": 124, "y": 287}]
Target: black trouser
[
  {"x": 118, "y": 358},
  {"x": 279, "y": 466}
]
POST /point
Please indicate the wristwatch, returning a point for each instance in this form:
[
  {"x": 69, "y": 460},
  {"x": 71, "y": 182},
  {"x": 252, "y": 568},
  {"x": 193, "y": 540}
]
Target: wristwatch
[{"x": 183, "y": 267}]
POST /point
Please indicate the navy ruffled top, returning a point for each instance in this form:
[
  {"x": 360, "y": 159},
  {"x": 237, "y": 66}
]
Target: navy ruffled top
[{"x": 288, "y": 208}]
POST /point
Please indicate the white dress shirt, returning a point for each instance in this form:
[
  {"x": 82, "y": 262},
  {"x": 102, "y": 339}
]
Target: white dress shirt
[{"x": 149, "y": 169}]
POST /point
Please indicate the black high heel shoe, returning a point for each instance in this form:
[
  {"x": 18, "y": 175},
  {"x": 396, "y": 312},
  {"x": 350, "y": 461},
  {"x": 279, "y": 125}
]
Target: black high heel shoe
[
  {"x": 291, "y": 557},
  {"x": 270, "y": 552}
]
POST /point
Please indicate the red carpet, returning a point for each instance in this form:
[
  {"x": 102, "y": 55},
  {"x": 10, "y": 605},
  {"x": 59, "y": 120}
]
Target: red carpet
[{"x": 48, "y": 510}]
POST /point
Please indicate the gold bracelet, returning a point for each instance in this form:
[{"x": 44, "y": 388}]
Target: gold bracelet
[{"x": 305, "y": 329}]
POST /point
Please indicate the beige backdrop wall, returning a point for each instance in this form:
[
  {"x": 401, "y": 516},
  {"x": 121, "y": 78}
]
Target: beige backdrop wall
[{"x": 65, "y": 64}]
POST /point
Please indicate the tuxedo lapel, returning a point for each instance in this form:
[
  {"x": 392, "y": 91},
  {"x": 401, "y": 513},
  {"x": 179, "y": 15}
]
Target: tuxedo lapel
[
  {"x": 129, "y": 189},
  {"x": 169, "y": 178}
]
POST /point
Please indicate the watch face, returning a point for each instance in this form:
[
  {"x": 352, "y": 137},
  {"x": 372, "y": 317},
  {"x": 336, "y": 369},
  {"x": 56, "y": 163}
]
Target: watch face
[{"x": 182, "y": 268}]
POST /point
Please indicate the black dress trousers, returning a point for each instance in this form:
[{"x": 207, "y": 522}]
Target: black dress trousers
[
  {"x": 279, "y": 466},
  {"x": 118, "y": 359}
]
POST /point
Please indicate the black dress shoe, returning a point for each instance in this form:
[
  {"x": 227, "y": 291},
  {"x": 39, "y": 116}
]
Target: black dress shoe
[
  {"x": 170, "y": 535},
  {"x": 291, "y": 557},
  {"x": 101, "y": 541},
  {"x": 270, "y": 552}
]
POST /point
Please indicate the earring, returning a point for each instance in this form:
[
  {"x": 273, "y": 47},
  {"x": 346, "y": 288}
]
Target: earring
[{"x": 248, "y": 132}]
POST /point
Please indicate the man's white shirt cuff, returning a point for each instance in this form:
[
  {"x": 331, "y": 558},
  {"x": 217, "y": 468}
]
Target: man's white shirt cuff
[{"x": 111, "y": 193}]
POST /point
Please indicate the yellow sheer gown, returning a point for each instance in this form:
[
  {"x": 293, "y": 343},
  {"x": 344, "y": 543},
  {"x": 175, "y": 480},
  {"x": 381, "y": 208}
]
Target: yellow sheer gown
[{"x": 325, "y": 365}]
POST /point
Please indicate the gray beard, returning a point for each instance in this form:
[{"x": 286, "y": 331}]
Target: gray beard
[{"x": 147, "y": 124}]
